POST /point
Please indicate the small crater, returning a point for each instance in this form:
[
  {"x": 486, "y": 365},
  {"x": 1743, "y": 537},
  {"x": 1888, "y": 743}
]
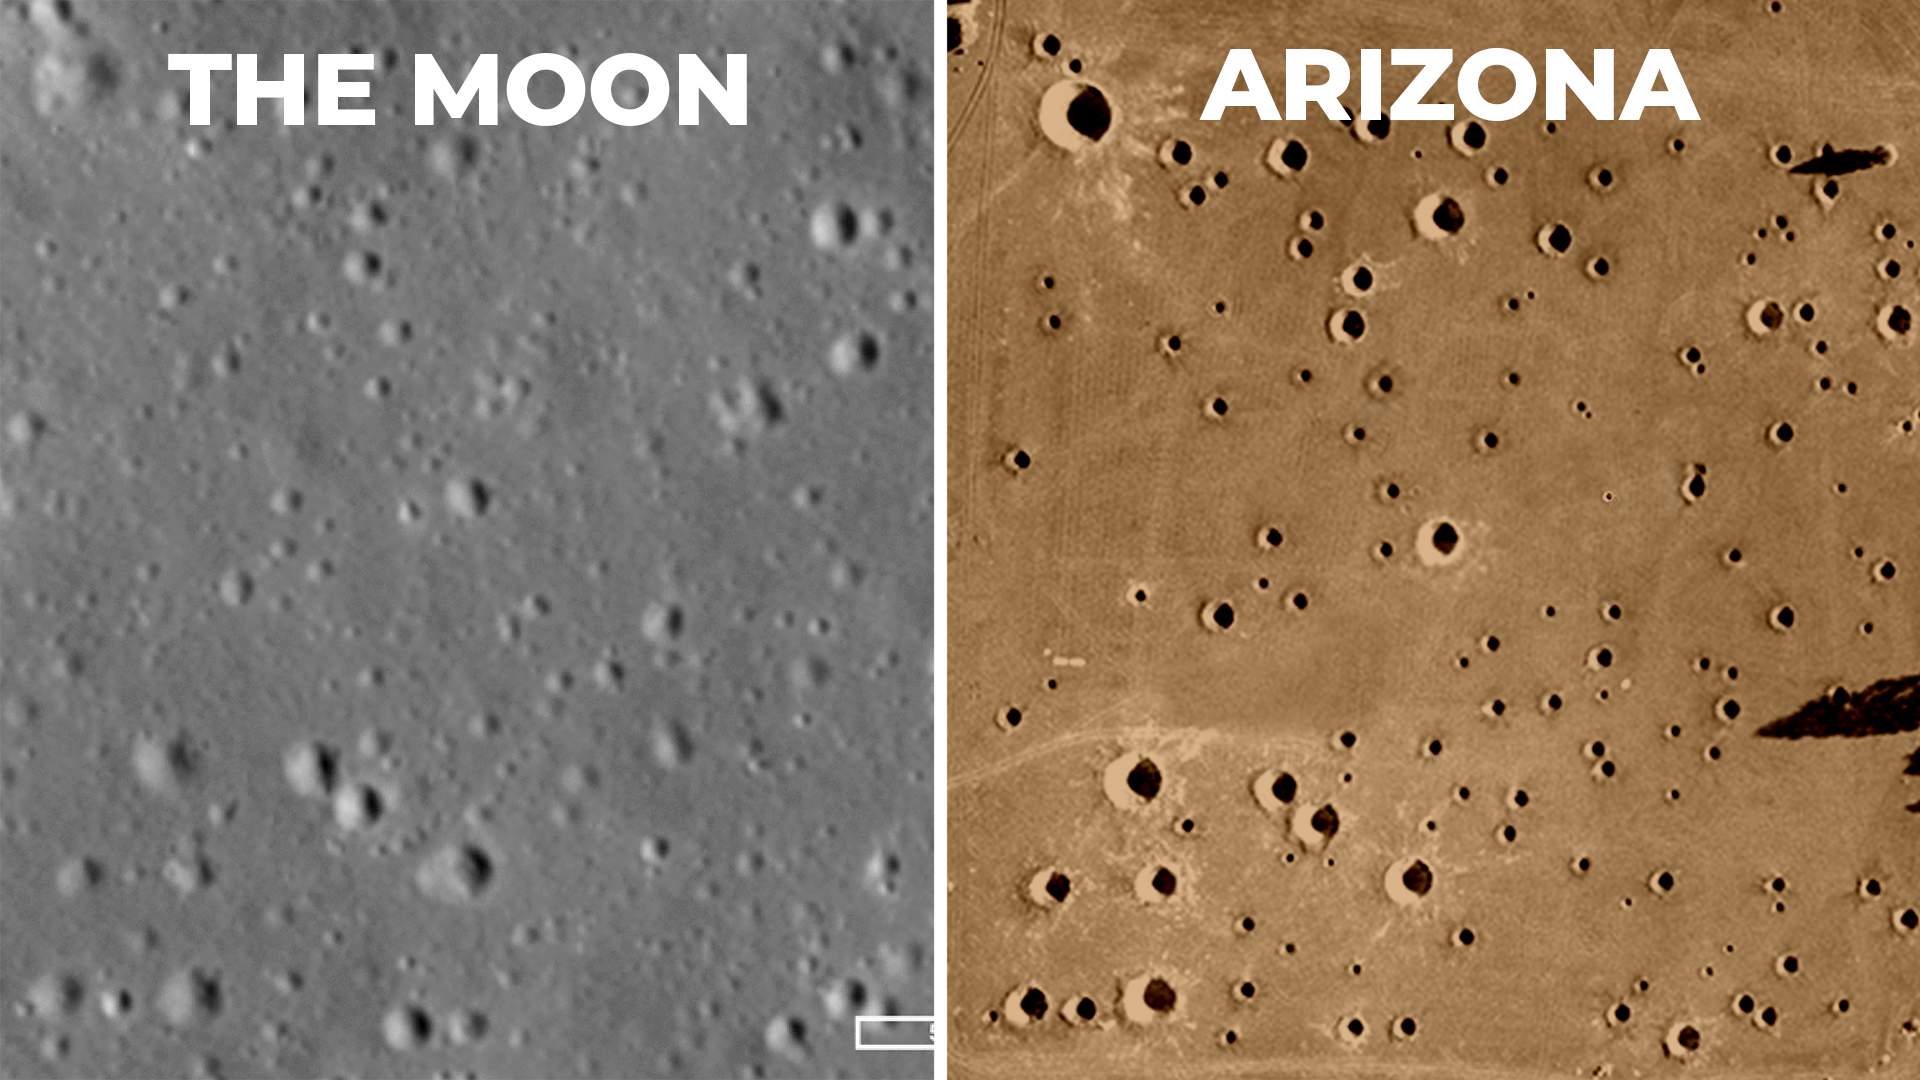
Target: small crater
[
  {"x": 1438, "y": 217},
  {"x": 1346, "y": 326},
  {"x": 1217, "y": 616},
  {"x": 1895, "y": 324},
  {"x": 1315, "y": 827},
  {"x": 1764, "y": 317},
  {"x": 1147, "y": 998},
  {"x": 1128, "y": 776},
  {"x": 456, "y": 873},
  {"x": 1682, "y": 1041},
  {"x": 1409, "y": 880},
  {"x": 1467, "y": 137},
  {"x": 1050, "y": 887},
  {"x": 1440, "y": 543},
  {"x": 406, "y": 1028},
  {"x": 1075, "y": 115},
  {"x": 1275, "y": 788},
  {"x": 1287, "y": 157},
  {"x": 1144, "y": 780}
]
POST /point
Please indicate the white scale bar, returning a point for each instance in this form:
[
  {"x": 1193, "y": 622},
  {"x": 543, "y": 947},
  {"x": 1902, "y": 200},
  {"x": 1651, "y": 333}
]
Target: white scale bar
[{"x": 859, "y": 1036}]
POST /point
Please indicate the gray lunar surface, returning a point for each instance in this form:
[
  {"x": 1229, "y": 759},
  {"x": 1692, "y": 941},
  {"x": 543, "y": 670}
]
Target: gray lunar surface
[{"x": 467, "y": 591}]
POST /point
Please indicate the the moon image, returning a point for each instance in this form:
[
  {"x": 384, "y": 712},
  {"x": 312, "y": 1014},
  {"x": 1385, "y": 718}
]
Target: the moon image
[{"x": 467, "y": 590}]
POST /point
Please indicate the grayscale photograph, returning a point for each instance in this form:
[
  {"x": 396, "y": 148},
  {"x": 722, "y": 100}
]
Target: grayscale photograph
[{"x": 466, "y": 589}]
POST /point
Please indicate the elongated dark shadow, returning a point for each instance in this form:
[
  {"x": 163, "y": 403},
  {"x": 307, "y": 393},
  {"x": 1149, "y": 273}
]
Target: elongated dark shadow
[
  {"x": 1888, "y": 707},
  {"x": 1831, "y": 162}
]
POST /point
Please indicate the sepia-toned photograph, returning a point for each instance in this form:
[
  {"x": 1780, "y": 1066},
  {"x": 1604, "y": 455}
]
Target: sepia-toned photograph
[{"x": 1431, "y": 598}]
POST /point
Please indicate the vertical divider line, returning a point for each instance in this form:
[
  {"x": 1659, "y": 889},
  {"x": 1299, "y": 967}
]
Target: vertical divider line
[{"x": 939, "y": 553}]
